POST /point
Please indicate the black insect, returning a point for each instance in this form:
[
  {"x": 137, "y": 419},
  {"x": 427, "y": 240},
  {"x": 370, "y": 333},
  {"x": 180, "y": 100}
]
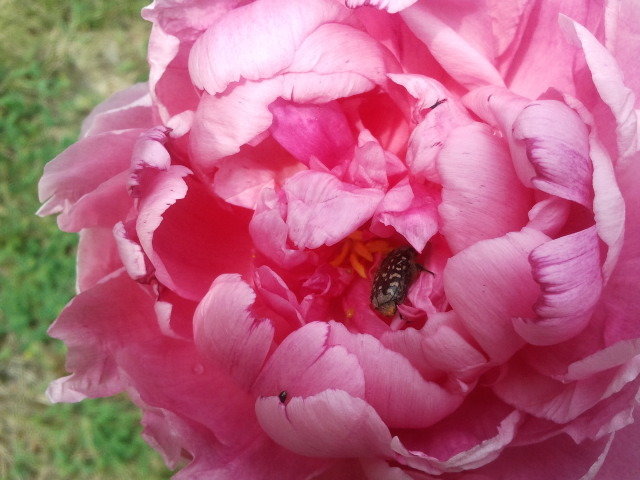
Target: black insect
[
  {"x": 393, "y": 279},
  {"x": 283, "y": 396}
]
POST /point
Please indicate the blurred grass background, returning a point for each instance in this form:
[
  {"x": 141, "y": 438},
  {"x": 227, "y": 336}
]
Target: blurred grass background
[{"x": 58, "y": 59}]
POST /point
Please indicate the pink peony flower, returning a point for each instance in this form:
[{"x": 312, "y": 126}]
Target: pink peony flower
[{"x": 234, "y": 211}]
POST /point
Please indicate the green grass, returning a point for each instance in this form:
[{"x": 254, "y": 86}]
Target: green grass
[{"x": 58, "y": 59}]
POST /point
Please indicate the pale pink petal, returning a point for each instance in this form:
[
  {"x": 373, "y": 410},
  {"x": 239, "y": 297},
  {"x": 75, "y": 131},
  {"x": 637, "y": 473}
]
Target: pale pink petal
[
  {"x": 608, "y": 206},
  {"x": 149, "y": 156},
  {"x": 102, "y": 207},
  {"x": 127, "y": 109},
  {"x": 174, "y": 314},
  {"x": 312, "y": 131},
  {"x": 93, "y": 326},
  {"x": 455, "y": 444},
  {"x": 490, "y": 283},
  {"x": 437, "y": 27},
  {"x": 623, "y": 461},
  {"x": 220, "y": 124},
  {"x": 549, "y": 215},
  {"x": 242, "y": 178},
  {"x": 481, "y": 195},
  {"x": 331, "y": 423},
  {"x": 250, "y": 43},
  {"x": 564, "y": 398},
  {"x": 372, "y": 166},
  {"x": 527, "y": 67},
  {"x": 500, "y": 108},
  {"x": 557, "y": 143},
  {"x": 377, "y": 469},
  {"x": 610, "y": 85},
  {"x": 304, "y": 364},
  {"x": 269, "y": 232},
  {"x": 322, "y": 210},
  {"x": 621, "y": 302},
  {"x": 179, "y": 227},
  {"x": 130, "y": 252},
  {"x": 391, "y": 6},
  {"x": 388, "y": 376},
  {"x": 439, "y": 347},
  {"x": 228, "y": 334},
  {"x": 169, "y": 374},
  {"x": 558, "y": 458},
  {"x": 411, "y": 210},
  {"x": 97, "y": 257},
  {"x": 623, "y": 39},
  {"x": 276, "y": 295},
  {"x": 83, "y": 167},
  {"x": 568, "y": 271}
]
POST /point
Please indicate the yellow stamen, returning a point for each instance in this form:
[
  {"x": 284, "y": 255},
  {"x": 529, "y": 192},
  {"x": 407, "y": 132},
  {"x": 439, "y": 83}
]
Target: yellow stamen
[
  {"x": 357, "y": 265},
  {"x": 349, "y": 312},
  {"x": 346, "y": 246},
  {"x": 354, "y": 251},
  {"x": 362, "y": 250}
]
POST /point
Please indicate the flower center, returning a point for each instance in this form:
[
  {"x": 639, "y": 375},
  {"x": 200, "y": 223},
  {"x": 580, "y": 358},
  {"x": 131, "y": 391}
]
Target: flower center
[{"x": 356, "y": 252}]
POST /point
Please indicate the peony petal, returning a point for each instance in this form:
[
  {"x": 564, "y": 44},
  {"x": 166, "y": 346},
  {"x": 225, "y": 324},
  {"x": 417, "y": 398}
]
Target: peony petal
[
  {"x": 568, "y": 271},
  {"x": 124, "y": 110},
  {"x": 93, "y": 327},
  {"x": 564, "y": 398},
  {"x": 549, "y": 215},
  {"x": 391, "y": 6},
  {"x": 623, "y": 461},
  {"x": 179, "y": 227},
  {"x": 82, "y": 169},
  {"x": 527, "y": 67},
  {"x": 610, "y": 85},
  {"x": 558, "y": 458},
  {"x": 473, "y": 437},
  {"x": 322, "y": 210},
  {"x": 557, "y": 143},
  {"x": 437, "y": 29},
  {"x": 228, "y": 334},
  {"x": 488, "y": 284},
  {"x": 372, "y": 166},
  {"x": 250, "y": 43},
  {"x": 410, "y": 209},
  {"x": 481, "y": 195},
  {"x": 423, "y": 402},
  {"x": 304, "y": 364},
  {"x": 329, "y": 424},
  {"x": 269, "y": 232},
  {"x": 220, "y": 124},
  {"x": 97, "y": 257},
  {"x": 500, "y": 108},
  {"x": 241, "y": 179},
  {"x": 442, "y": 345},
  {"x": 312, "y": 131}
]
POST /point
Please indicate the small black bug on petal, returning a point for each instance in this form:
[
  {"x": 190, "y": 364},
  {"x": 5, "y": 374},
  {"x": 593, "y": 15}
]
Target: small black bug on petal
[
  {"x": 393, "y": 279},
  {"x": 283, "y": 396}
]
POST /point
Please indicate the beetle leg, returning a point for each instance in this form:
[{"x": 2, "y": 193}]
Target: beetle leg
[{"x": 422, "y": 269}]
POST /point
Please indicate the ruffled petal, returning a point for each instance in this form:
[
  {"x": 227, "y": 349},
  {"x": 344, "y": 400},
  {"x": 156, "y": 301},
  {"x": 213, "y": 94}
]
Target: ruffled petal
[
  {"x": 329, "y": 424},
  {"x": 437, "y": 27},
  {"x": 391, "y": 6},
  {"x": 92, "y": 326},
  {"x": 411, "y": 210},
  {"x": 490, "y": 283},
  {"x": 228, "y": 334},
  {"x": 557, "y": 143},
  {"x": 569, "y": 273},
  {"x": 481, "y": 195},
  {"x": 322, "y": 210},
  {"x": 424, "y": 402},
  {"x": 250, "y": 42}
]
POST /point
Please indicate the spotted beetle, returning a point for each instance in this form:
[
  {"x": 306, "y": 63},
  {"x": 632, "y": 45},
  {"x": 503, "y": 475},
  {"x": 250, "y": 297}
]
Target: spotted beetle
[{"x": 393, "y": 279}]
